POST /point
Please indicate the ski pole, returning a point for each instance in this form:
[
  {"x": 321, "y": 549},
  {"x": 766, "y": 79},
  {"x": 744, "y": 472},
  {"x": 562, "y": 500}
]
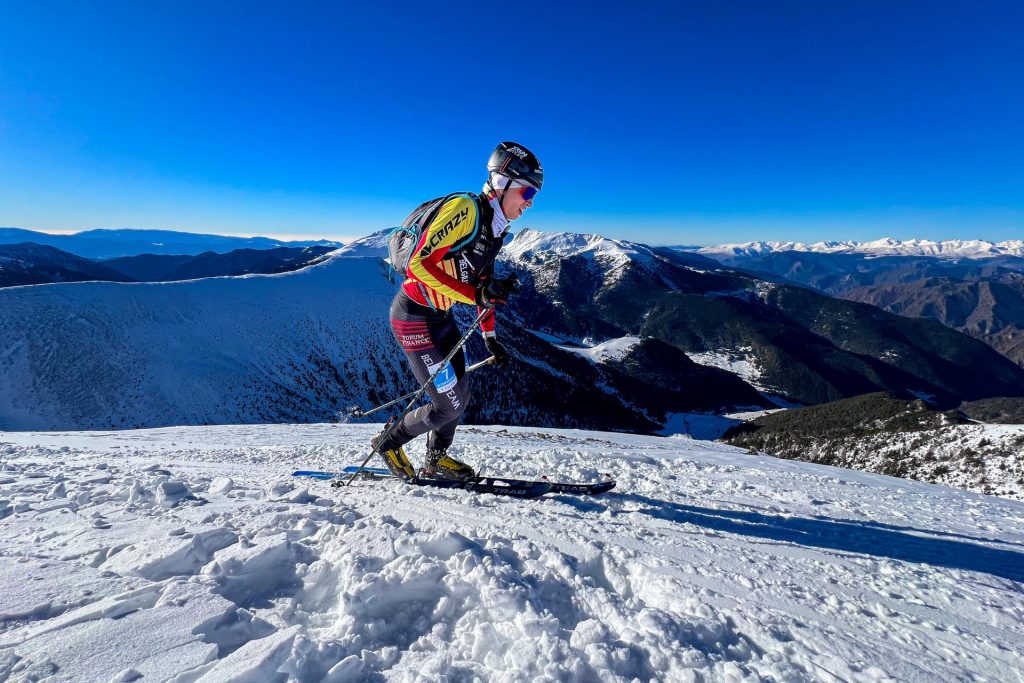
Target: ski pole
[
  {"x": 359, "y": 412},
  {"x": 416, "y": 395}
]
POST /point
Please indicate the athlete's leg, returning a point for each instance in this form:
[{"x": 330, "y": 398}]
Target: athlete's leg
[
  {"x": 441, "y": 437},
  {"x": 427, "y": 337}
]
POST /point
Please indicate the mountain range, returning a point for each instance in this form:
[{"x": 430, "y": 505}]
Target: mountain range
[
  {"x": 34, "y": 264},
  {"x": 887, "y": 246},
  {"x": 31, "y": 264},
  {"x": 607, "y": 333},
  {"x": 105, "y": 244},
  {"x": 293, "y": 347},
  {"x": 991, "y": 309},
  {"x": 805, "y": 347},
  {"x": 982, "y": 296}
]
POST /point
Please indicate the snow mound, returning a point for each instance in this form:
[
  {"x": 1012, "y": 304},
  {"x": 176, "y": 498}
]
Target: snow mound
[{"x": 375, "y": 244}]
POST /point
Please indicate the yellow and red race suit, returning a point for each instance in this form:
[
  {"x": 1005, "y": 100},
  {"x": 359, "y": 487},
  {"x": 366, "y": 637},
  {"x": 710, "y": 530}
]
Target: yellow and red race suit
[{"x": 455, "y": 252}]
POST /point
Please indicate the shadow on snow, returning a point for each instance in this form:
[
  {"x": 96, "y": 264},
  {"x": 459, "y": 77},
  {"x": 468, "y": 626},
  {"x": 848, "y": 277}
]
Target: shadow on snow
[{"x": 862, "y": 537}]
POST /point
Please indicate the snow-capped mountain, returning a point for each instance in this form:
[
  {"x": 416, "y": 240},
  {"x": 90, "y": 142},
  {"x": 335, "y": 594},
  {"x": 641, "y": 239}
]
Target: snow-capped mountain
[
  {"x": 803, "y": 346},
  {"x": 607, "y": 334},
  {"x": 533, "y": 246},
  {"x": 528, "y": 244},
  {"x": 980, "y": 297},
  {"x": 294, "y": 347},
  {"x": 887, "y": 246},
  {"x": 190, "y": 554},
  {"x": 375, "y": 244}
]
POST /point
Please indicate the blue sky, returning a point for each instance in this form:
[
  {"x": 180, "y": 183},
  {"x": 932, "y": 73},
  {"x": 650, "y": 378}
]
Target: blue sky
[{"x": 672, "y": 123}]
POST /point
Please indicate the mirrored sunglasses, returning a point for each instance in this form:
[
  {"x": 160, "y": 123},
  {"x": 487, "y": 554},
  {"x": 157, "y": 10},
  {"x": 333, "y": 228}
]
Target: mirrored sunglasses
[{"x": 528, "y": 192}]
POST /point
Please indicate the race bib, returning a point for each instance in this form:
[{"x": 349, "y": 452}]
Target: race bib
[{"x": 445, "y": 379}]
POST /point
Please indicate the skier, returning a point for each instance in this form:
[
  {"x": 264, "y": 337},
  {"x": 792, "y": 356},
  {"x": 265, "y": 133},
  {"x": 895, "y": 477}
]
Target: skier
[{"x": 453, "y": 262}]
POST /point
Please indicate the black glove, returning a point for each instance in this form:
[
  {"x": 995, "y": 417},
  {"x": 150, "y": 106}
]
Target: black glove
[
  {"x": 495, "y": 348},
  {"x": 496, "y": 291}
]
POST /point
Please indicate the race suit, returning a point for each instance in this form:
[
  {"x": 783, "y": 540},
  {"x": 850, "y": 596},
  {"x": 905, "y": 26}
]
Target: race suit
[{"x": 456, "y": 251}]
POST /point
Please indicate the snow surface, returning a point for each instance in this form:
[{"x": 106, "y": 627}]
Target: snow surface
[
  {"x": 375, "y": 244},
  {"x": 752, "y": 414},
  {"x": 740, "y": 362},
  {"x": 613, "y": 349},
  {"x": 887, "y": 246},
  {"x": 188, "y": 553}
]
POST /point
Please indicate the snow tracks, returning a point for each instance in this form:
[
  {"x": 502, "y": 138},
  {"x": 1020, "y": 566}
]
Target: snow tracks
[{"x": 188, "y": 554}]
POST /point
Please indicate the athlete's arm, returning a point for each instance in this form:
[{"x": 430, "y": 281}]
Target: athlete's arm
[{"x": 487, "y": 323}]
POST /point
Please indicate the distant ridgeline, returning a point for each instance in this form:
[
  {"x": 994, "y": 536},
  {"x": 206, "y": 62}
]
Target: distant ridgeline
[
  {"x": 607, "y": 335},
  {"x": 106, "y": 244},
  {"x": 974, "y": 287},
  {"x": 35, "y": 264}
]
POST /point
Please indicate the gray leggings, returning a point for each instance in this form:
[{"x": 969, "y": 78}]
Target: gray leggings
[{"x": 427, "y": 336}]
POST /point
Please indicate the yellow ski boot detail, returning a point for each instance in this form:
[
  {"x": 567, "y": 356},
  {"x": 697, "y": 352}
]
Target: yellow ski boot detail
[
  {"x": 443, "y": 466},
  {"x": 396, "y": 460}
]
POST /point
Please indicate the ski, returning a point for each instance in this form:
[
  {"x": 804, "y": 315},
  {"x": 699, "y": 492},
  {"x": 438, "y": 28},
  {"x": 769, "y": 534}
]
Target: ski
[
  {"x": 565, "y": 487},
  {"x": 498, "y": 485},
  {"x": 515, "y": 488},
  {"x": 579, "y": 489}
]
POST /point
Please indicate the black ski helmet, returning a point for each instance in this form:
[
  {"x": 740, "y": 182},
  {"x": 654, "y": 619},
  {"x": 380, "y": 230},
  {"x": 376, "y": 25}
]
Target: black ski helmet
[{"x": 514, "y": 161}]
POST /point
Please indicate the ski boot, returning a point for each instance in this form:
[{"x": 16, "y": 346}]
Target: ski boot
[
  {"x": 440, "y": 465},
  {"x": 395, "y": 459}
]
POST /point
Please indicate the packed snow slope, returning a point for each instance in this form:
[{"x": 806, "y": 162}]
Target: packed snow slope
[
  {"x": 261, "y": 348},
  {"x": 189, "y": 553}
]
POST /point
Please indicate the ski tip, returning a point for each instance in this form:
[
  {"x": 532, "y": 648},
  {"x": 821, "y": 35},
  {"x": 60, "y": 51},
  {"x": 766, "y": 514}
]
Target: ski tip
[{"x": 315, "y": 474}]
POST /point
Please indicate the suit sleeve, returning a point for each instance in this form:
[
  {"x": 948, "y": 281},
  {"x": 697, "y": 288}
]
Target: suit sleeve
[
  {"x": 455, "y": 222},
  {"x": 487, "y": 324}
]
